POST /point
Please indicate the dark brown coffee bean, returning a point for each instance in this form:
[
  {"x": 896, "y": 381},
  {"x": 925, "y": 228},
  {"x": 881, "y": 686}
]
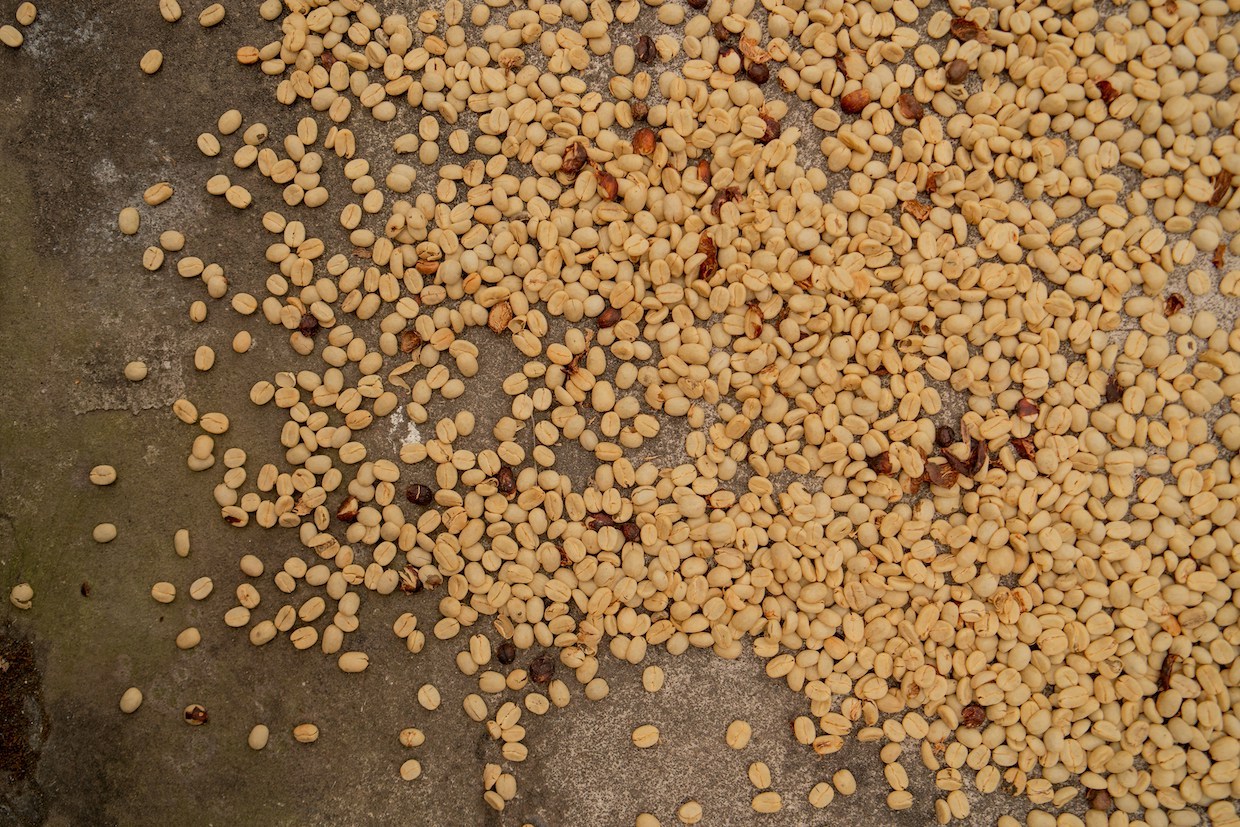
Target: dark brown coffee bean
[
  {"x": 645, "y": 49},
  {"x": 542, "y": 669},
  {"x": 773, "y": 129},
  {"x": 644, "y": 141},
  {"x": 505, "y": 481},
  {"x": 419, "y": 494},
  {"x": 308, "y": 326},
  {"x": 855, "y": 101},
  {"x": 909, "y": 107}
]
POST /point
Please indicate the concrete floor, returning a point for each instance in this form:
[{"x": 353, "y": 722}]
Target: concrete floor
[{"x": 84, "y": 133}]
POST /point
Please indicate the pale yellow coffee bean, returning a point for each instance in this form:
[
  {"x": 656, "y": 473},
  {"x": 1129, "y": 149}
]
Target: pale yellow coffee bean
[
  {"x": 151, "y": 61},
  {"x": 22, "y": 596},
  {"x": 170, "y": 10},
  {"x": 821, "y": 795},
  {"x": 263, "y": 633},
  {"x": 26, "y": 13},
  {"x": 304, "y": 637},
  {"x": 131, "y": 699},
  {"x": 738, "y": 734},
  {"x": 152, "y": 258},
  {"x": 652, "y": 678},
  {"x": 899, "y": 800},
  {"x": 353, "y": 662},
  {"x": 844, "y": 782},
  {"x": 237, "y": 617},
  {"x": 129, "y": 220},
  {"x": 157, "y": 194},
  {"x": 258, "y": 737},
  {"x": 135, "y": 371},
  {"x": 10, "y": 36},
  {"x": 180, "y": 542},
  {"x": 104, "y": 533},
  {"x": 412, "y": 737},
  {"x": 475, "y": 707},
  {"x": 428, "y": 697},
  {"x": 188, "y": 638},
  {"x": 214, "y": 422},
  {"x": 102, "y": 475},
  {"x": 306, "y": 733},
  {"x": 208, "y": 144},
  {"x": 204, "y": 358},
  {"x": 238, "y": 196},
  {"x": 645, "y": 736},
  {"x": 211, "y": 15},
  {"x": 185, "y": 411},
  {"x": 411, "y": 770},
  {"x": 229, "y": 122},
  {"x": 201, "y": 588},
  {"x": 164, "y": 592},
  {"x": 767, "y": 802},
  {"x": 218, "y": 184}
]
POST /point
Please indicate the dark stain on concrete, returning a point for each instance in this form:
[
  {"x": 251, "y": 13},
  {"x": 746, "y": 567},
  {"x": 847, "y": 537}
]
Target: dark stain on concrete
[{"x": 24, "y": 728}]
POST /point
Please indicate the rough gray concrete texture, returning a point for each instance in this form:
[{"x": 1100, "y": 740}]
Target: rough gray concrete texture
[{"x": 83, "y": 133}]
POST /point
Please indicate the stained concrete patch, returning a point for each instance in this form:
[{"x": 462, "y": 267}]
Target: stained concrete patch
[
  {"x": 24, "y": 727},
  {"x": 102, "y": 385}
]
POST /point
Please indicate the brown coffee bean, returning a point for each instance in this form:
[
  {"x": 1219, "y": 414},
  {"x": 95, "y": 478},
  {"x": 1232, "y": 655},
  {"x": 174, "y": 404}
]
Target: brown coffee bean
[
  {"x": 644, "y": 141},
  {"x": 608, "y": 187},
  {"x": 505, "y": 481},
  {"x": 773, "y": 129},
  {"x": 855, "y": 101},
  {"x": 542, "y": 668},
  {"x": 645, "y": 49},
  {"x": 909, "y": 107},
  {"x": 419, "y": 494}
]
